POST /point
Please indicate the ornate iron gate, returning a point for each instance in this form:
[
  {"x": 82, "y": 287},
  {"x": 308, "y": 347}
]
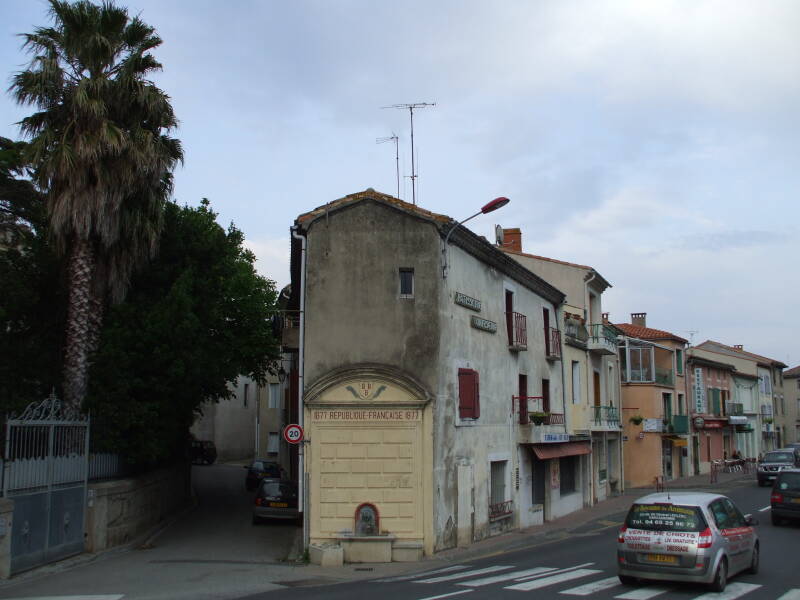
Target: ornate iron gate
[{"x": 45, "y": 473}]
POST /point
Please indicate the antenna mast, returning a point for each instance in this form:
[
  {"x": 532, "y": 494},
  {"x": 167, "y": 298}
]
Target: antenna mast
[
  {"x": 395, "y": 139},
  {"x": 411, "y": 108}
]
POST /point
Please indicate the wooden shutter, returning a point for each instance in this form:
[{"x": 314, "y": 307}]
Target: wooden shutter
[{"x": 468, "y": 394}]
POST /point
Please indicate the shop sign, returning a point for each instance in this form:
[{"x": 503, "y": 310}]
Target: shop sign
[
  {"x": 653, "y": 425},
  {"x": 699, "y": 422},
  {"x": 468, "y": 302},
  {"x": 483, "y": 324},
  {"x": 555, "y": 438},
  {"x": 699, "y": 391},
  {"x": 365, "y": 415},
  {"x": 737, "y": 420},
  {"x": 713, "y": 425}
]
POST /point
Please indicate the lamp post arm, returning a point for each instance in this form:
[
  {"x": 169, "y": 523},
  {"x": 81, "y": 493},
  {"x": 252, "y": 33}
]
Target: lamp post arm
[{"x": 447, "y": 239}]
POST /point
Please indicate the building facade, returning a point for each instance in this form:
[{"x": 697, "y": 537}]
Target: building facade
[
  {"x": 655, "y": 412},
  {"x": 791, "y": 392},
  {"x": 431, "y": 381},
  {"x": 591, "y": 366}
]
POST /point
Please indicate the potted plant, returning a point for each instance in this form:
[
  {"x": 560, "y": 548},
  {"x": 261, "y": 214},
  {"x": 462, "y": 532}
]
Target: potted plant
[
  {"x": 537, "y": 418},
  {"x": 636, "y": 419}
]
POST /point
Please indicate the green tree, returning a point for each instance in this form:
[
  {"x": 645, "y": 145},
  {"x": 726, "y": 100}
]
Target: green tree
[
  {"x": 100, "y": 146},
  {"x": 190, "y": 324},
  {"x": 30, "y": 320}
]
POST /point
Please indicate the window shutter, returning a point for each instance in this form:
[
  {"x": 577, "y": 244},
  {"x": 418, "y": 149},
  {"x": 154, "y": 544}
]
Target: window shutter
[
  {"x": 468, "y": 400},
  {"x": 476, "y": 407}
]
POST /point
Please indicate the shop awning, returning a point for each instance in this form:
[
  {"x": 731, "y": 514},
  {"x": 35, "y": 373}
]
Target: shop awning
[
  {"x": 737, "y": 420},
  {"x": 548, "y": 451},
  {"x": 677, "y": 441}
]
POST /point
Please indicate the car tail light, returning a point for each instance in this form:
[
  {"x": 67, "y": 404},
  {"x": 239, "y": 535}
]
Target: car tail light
[
  {"x": 776, "y": 497},
  {"x": 258, "y": 501},
  {"x": 705, "y": 538},
  {"x": 621, "y": 535}
]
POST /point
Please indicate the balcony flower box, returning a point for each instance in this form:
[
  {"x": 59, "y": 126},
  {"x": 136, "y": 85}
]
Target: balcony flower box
[
  {"x": 538, "y": 418},
  {"x": 636, "y": 419}
]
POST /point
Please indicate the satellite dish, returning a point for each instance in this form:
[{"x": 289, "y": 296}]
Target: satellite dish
[{"x": 498, "y": 235}]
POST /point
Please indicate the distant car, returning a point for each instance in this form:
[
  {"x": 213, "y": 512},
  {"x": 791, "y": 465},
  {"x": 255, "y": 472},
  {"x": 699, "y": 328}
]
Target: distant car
[
  {"x": 690, "y": 537},
  {"x": 773, "y": 462},
  {"x": 275, "y": 500},
  {"x": 262, "y": 469},
  {"x": 202, "y": 452},
  {"x": 784, "y": 501}
]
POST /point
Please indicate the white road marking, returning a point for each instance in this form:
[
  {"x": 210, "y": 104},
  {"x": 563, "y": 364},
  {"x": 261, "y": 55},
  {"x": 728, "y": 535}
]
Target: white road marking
[
  {"x": 643, "y": 593},
  {"x": 447, "y": 595},
  {"x": 791, "y": 595},
  {"x": 763, "y": 509},
  {"x": 734, "y": 590},
  {"x": 546, "y": 581},
  {"x": 564, "y": 570},
  {"x": 415, "y": 575},
  {"x": 465, "y": 574},
  {"x": 591, "y": 588},
  {"x": 88, "y": 597},
  {"x": 507, "y": 576}
]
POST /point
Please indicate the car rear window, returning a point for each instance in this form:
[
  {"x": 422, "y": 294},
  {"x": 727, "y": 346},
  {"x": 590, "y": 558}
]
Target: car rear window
[
  {"x": 665, "y": 517},
  {"x": 788, "y": 481},
  {"x": 781, "y": 457},
  {"x": 275, "y": 488}
]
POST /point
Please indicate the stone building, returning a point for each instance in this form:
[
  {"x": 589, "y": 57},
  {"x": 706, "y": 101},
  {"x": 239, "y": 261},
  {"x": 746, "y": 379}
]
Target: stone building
[{"x": 431, "y": 380}]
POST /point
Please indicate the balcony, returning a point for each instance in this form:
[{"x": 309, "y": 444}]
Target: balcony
[
  {"x": 286, "y": 325},
  {"x": 605, "y": 417},
  {"x": 537, "y": 424},
  {"x": 602, "y": 339},
  {"x": 575, "y": 334},
  {"x": 517, "y": 327},
  {"x": 735, "y": 409},
  {"x": 679, "y": 424},
  {"x": 552, "y": 343}
]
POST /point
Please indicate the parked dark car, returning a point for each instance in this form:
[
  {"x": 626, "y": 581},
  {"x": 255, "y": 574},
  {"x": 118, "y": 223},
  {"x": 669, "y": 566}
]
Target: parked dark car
[
  {"x": 784, "y": 501},
  {"x": 202, "y": 452},
  {"x": 773, "y": 463},
  {"x": 262, "y": 469},
  {"x": 275, "y": 500}
]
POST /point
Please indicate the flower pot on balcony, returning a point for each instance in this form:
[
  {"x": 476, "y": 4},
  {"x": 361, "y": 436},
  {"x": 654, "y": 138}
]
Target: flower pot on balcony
[
  {"x": 538, "y": 418},
  {"x": 636, "y": 419}
]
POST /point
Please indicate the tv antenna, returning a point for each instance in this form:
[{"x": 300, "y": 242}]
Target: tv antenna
[
  {"x": 692, "y": 333},
  {"x": 395, "y": 139},
  {"x": 411, "y": 108}
]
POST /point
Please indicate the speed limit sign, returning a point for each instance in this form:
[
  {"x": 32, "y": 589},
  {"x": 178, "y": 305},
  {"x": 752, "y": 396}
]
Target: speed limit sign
[{"x": 293, "y": 433}]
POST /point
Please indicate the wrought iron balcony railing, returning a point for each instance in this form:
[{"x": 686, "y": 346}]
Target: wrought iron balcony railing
[
  {"x": 517, "y": 325},
  {"x": 606, "y": 414},
  {"x": 552, "y": 343},
  {"x": 533, "y": 410}
]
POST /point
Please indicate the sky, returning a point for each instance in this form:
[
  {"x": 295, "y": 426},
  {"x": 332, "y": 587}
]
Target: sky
[{"x": 658, "y": 142}]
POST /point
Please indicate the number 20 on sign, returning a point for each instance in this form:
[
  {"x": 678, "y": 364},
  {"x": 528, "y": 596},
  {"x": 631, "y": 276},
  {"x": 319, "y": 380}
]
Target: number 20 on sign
[{"x": 293, "y": 434}]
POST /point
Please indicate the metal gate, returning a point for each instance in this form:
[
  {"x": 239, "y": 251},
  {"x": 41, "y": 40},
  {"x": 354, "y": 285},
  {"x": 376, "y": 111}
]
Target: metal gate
[{"x": 45, "y": 473}]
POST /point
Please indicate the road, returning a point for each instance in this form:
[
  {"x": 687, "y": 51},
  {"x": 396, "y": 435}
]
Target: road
[
  {"x": 581, "y": 565},
  {"x": 211, "y": 551}
]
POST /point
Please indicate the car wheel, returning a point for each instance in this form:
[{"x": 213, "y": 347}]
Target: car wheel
[
  {"x": 720, "y": 577},
  {"x": 754, "y": 561},
  {"x": 627, "y": 580},
  {"x": 776, "y": 520}
]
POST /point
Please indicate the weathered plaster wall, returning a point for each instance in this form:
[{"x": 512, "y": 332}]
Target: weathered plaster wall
[
  {"x": 229, "y": 423},
  {"x": 474, "y": 444}
]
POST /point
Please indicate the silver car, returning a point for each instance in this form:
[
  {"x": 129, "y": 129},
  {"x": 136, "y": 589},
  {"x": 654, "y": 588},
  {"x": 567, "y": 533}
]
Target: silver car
[
  {"x": 686, "y": 536},
  {"x": 773, "y": 463}
]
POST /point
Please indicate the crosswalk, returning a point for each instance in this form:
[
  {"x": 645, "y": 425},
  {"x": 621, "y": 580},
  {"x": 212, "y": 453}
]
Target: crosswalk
[{"x": 585, "y": 579}]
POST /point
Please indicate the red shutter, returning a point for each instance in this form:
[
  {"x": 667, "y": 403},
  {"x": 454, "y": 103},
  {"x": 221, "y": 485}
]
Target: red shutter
[{"x": 468, "y": 394}]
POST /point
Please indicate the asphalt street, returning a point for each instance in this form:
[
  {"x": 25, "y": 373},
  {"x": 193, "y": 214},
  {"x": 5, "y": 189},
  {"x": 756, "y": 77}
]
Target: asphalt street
[{"x": 582, "y": 564}]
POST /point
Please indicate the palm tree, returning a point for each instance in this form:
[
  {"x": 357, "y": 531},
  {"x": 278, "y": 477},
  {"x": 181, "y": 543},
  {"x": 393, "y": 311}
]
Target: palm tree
[{"x": 101, "y": 148}]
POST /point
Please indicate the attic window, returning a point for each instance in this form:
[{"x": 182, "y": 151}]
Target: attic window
[{"x": 406, "y": 283}]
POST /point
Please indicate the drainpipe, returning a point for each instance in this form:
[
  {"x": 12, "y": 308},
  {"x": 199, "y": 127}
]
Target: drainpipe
[
  {"x": 589, "y": 386},
  {"x": 302, "y": 487}
]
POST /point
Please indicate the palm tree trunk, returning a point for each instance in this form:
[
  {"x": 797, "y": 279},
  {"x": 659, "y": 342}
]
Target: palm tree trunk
[{"x": 79, "y": 330}]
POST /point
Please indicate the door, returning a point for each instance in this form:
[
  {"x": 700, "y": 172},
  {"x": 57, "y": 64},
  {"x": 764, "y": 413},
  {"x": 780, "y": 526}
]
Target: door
[
  {"x": 696, "y": 454},
  {"x": 510, "y": 316},
  {"x": 546, "y": 319},
  {"x": 523, "y": 399},
  {"x": 538, "y": 483},
  {"x": 666, "y": 458},
  {"x": 597, "y": 399},
  {"x": 546, "y": 395}
]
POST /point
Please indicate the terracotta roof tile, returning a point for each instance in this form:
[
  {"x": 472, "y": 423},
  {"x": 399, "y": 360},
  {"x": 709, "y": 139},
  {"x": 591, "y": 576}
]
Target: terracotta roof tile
[
  {"x": 648, "y": 333},
  {"x": 370, "y": 193},
  {"x": 553, "y": 260},
  {"x": 792, "y": 373},
  {"x": 737, "y": 352}
]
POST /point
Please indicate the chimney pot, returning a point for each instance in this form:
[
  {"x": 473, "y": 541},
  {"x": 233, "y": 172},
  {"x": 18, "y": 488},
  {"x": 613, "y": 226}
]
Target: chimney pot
[
  {"x": 639, "y": 319},
  {"x": 738, "y": 346},
  {"x": 605, "y": 317},
  {"x": 512, "y": 239}
]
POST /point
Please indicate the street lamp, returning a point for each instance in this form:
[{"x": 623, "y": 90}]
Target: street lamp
[{"x": 487, "y": 208}]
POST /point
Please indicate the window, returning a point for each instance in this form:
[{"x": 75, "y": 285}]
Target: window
[
  {"x": 681, "y": 405},
  {"x": 498, "y": 483},
  {"x": 469, "y": 403},
  {"x": 406, "y": 283},
  {"x": 274, "y": 395},
  {"x": 273, "y": 441},
  {"x": 666, "y": 401},
  {"x": 245, "y": 394},
  {"x": 679, "y": 362},
  {"x": 567, "y": 465},
  {"x": 576, "y": 382}
]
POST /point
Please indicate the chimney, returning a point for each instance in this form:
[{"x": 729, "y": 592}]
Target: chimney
[
  {"x": 512, "y": 239},
  {"x": 738, "y": 347},
  {"x": 639, "y": 319},
  {"x": 605, "y": 318}
]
